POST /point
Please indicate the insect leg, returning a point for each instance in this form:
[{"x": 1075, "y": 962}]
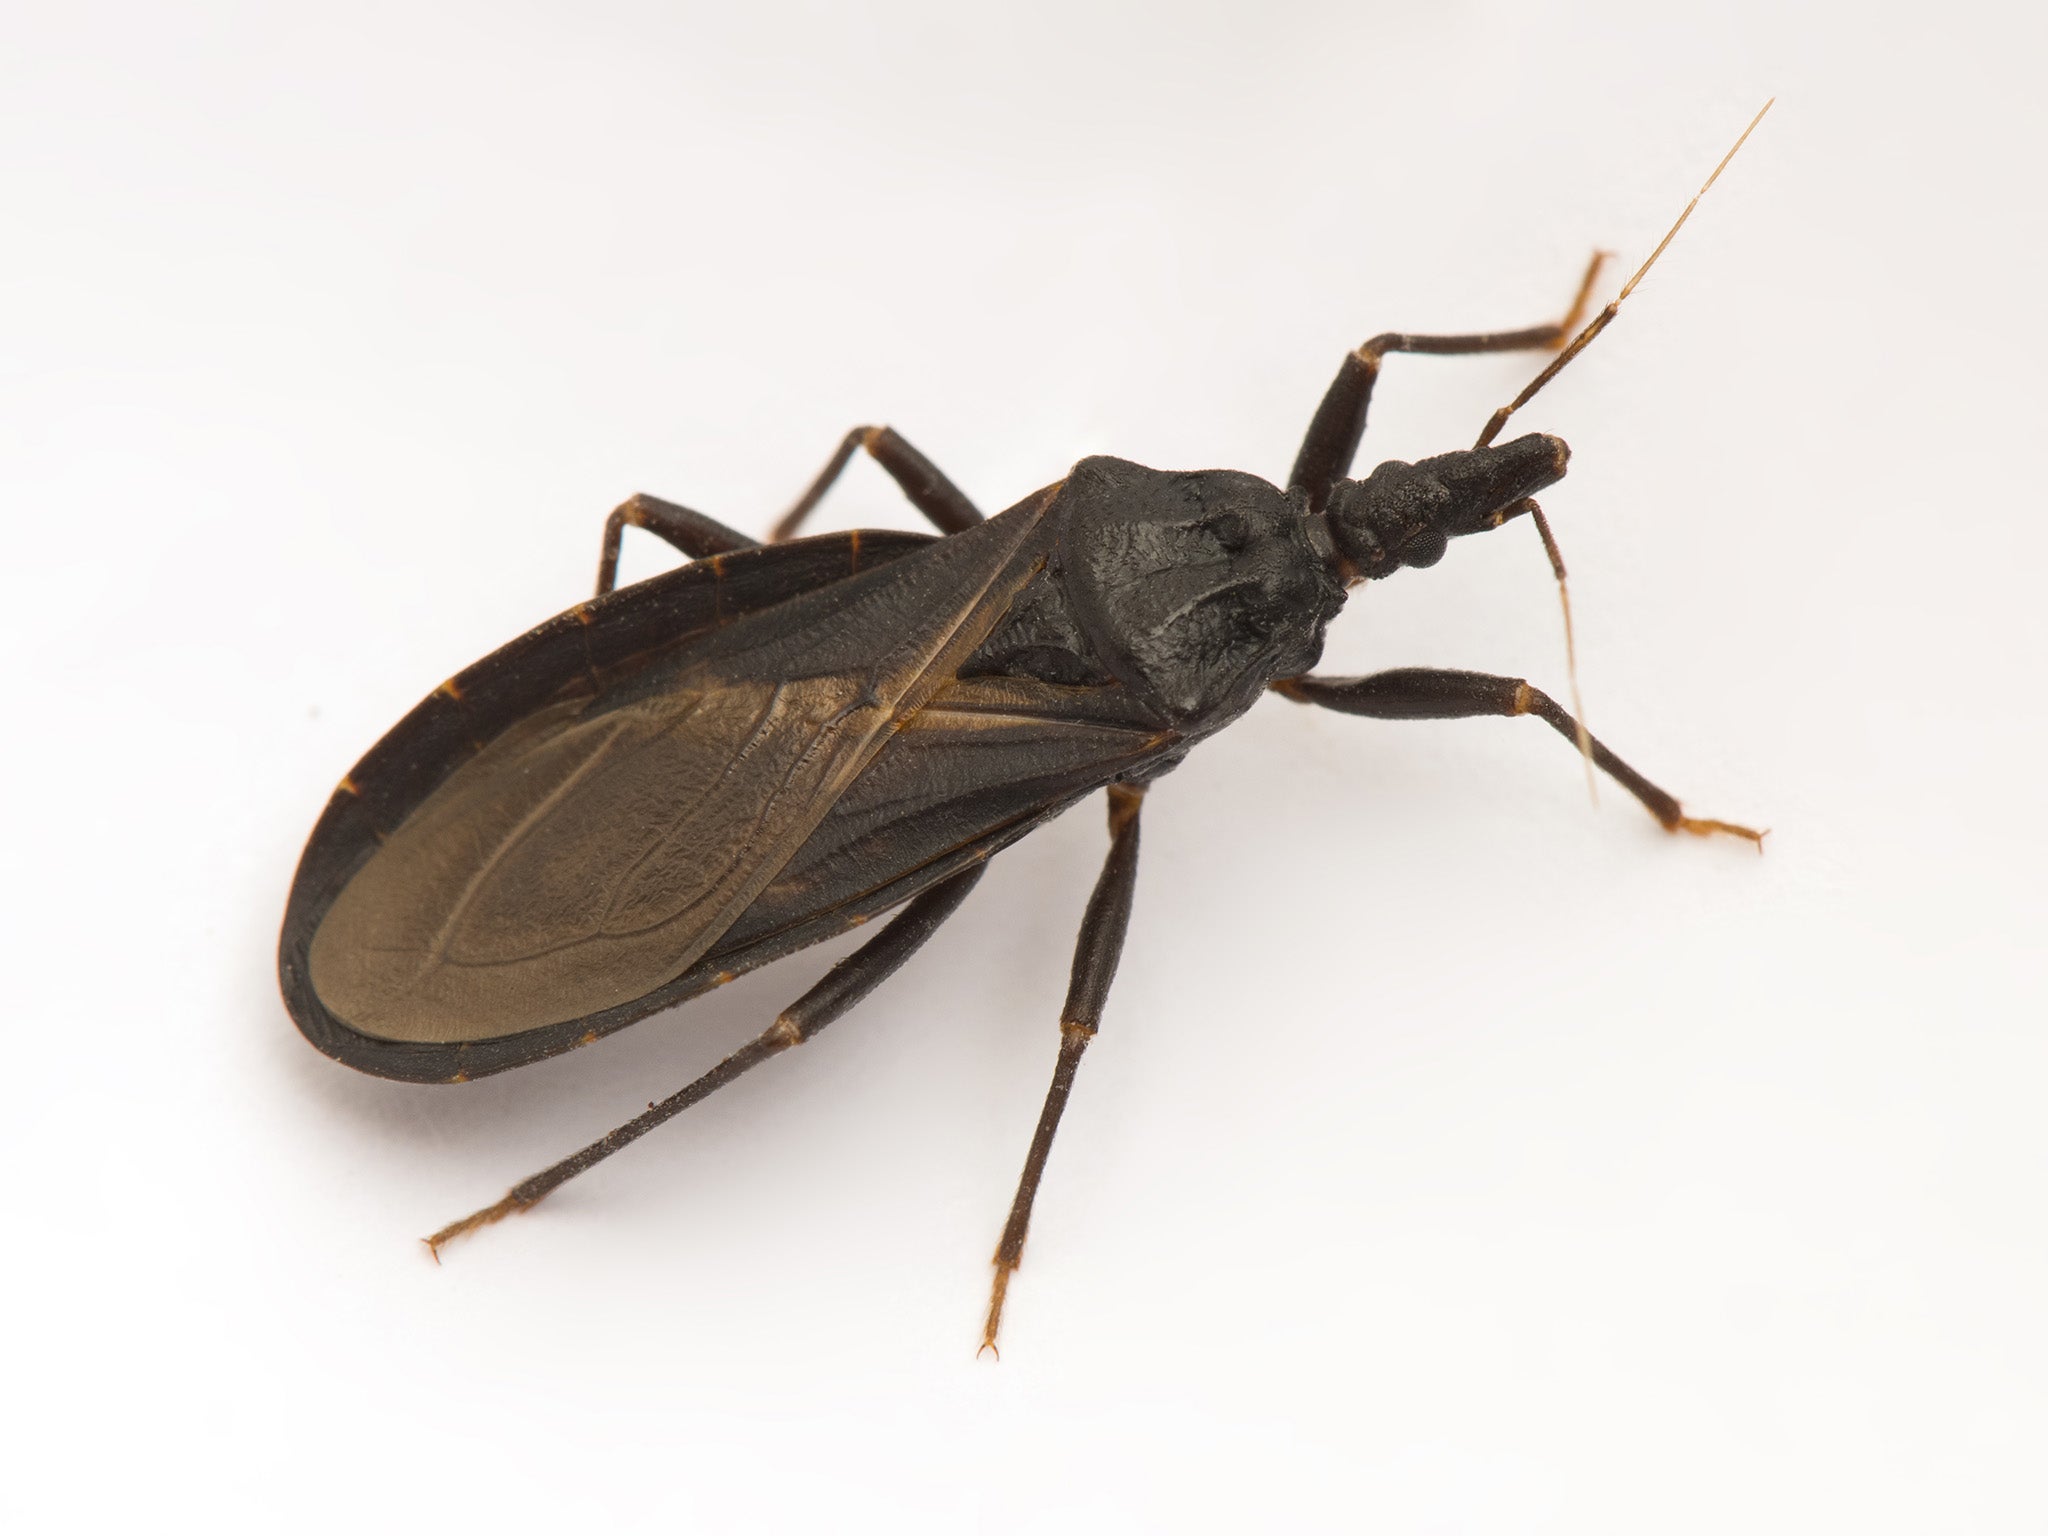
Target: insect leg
[
  {"x": 844, "y": 985},
  {"x": 692, "y": 532},
  {"x": 1095, "y": 956},
  {"x": 921, "y": 480},
  {"x": 1339, "y": 422},
  {"x": 1429, "y": 693}
]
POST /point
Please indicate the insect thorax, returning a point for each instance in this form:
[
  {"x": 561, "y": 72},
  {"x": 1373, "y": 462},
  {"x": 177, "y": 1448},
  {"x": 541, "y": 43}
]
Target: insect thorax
[{"x": 1192, "y": 589}]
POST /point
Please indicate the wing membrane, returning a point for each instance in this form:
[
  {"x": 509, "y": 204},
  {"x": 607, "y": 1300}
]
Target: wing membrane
[{"x": 597, "y": 848}]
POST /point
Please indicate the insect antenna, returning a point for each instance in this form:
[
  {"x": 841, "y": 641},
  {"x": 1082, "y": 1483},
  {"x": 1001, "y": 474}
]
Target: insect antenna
[
  {"x": 1600, "y": 322},
  {"x": 1578, "y": 344}
]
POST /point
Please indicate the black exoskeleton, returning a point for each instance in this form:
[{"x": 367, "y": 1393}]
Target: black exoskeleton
[
  {"x": 1196, "y": 590},
  {"x": 682, "y": 780}
]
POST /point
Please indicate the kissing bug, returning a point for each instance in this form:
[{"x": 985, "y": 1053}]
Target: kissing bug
[{"x": 684, "y": 779}]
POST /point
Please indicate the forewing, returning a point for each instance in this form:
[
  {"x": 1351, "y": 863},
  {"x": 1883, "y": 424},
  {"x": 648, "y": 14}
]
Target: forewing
[
  {"x": 983, "y": 762},
  {"x": 596, "y": 849}
]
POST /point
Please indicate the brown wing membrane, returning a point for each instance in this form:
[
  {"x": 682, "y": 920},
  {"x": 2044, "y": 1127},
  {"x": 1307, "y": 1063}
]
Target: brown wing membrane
[{"x": 596, "y": 849}]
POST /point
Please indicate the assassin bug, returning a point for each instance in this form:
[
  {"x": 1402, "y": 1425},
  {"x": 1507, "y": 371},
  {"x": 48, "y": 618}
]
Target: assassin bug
[{"x": 684, "y": 779}]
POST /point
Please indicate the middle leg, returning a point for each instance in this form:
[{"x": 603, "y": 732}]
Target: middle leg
[
  {"x": 1339, "y": 422},
  {"x": 1096, "y": 954},
  {"x": 1431, "y": 693},
  {"x": 923, "y": 483}
]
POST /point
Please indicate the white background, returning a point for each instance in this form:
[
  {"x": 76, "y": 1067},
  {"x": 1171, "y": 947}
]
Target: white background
[{"x": 1455, "y": 1157}]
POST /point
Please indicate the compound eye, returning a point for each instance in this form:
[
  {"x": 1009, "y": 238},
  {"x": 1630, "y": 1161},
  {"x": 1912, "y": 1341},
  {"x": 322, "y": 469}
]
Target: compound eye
[{"x": 1424, "y": 548}]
